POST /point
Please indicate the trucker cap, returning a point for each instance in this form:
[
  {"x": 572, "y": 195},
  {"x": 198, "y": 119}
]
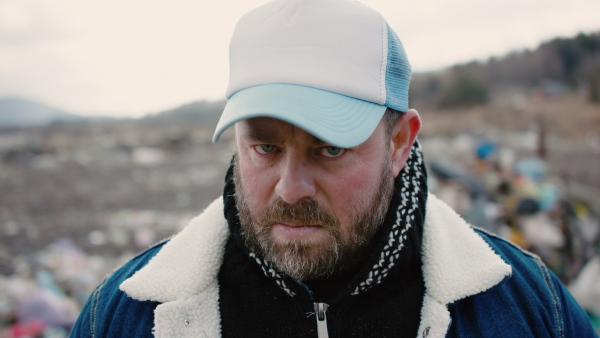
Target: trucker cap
[{"x": 330, "y": 67}]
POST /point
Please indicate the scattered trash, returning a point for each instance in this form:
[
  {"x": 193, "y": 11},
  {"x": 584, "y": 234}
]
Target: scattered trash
[
  {"x": 76, "y": 204},
  {"x": 523, "y": 201},
  {"x": 148, "y": 156},
  {"x": 586, "y": 287}
]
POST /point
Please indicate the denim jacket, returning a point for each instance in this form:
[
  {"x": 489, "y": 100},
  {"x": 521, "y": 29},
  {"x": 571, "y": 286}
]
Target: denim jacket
[{"x": 477, "y": 285}]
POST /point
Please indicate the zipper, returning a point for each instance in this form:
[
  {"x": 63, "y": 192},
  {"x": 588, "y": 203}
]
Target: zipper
[{"x": 320, "y": 309}]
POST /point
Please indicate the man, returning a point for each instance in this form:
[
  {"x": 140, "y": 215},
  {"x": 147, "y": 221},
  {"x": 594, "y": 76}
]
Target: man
[{"x": 325, "y": 227}]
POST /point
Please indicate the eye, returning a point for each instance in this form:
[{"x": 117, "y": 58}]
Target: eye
[
  {"x": 265, "y": 148},
  {"x": 332, "y": 151}
]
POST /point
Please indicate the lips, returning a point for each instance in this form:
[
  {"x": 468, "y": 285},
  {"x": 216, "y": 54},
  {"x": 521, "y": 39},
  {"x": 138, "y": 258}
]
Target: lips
[{"x": 295, "y": 230}]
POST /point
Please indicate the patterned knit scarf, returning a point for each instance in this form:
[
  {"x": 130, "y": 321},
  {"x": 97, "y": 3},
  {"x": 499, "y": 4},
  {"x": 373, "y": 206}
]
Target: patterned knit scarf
[{"x": 398, "y": 241}]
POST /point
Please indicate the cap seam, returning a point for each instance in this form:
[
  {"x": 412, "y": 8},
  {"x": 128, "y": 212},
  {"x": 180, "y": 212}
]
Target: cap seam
[{"x": 381, "y": 21}]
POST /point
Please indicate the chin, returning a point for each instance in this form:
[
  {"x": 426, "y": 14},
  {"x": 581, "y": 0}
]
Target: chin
[{"x": 306, "y": 249}]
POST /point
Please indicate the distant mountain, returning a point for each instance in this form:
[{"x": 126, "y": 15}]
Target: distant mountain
[
  {"x": 16, "y": 112},
  {"x": 199, "y": 112},
  {"x": 556, "y": 67}
]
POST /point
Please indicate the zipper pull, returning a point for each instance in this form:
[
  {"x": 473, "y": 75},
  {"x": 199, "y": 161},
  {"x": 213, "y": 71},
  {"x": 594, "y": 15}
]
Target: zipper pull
[{"x": 320, "y": 309}]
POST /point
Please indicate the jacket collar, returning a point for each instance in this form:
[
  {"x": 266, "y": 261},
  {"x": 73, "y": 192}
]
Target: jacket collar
[
  {"x": 457, "y": 262},
  {"x": 187, "y": 264}
]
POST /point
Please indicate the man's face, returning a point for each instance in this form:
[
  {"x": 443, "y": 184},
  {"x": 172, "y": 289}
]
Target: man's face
[{"x": 309, "y": 207}]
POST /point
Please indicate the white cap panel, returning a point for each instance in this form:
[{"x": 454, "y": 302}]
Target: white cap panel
[{"x": 285, "y": 42}]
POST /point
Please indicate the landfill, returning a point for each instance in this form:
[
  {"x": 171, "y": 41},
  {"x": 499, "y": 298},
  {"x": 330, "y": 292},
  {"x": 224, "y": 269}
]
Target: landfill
[{"x": 76, "y": 202}]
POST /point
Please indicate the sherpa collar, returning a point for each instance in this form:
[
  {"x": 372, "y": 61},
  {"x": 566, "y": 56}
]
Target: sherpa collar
[
  {"x": 457, "y": 262},
  {"x": 187, "y": 264}
]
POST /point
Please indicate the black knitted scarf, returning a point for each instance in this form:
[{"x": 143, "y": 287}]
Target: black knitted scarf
[{"x": 397, "y": 243}]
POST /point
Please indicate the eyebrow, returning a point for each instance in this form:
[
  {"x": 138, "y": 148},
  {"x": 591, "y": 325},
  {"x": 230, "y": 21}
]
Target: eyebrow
[
  {"x": 317, "y": 141},
  {"x": 258, "y": 134}
]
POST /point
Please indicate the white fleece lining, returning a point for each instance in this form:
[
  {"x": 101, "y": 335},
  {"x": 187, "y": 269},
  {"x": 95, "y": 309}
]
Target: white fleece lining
[
  {"x": 457, "y": 263},
  {"x": 183, "y": 276},
  {"x": 435, "y": 318}
]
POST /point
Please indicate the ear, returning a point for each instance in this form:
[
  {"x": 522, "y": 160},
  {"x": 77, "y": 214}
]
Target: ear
[{"x": 402, "y": 138}]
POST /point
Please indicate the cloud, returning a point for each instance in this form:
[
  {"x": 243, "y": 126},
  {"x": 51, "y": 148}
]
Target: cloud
[
  {"x": 438, "y": 33},
  {"x": 138, "y": 56},
  {"x": 27, "y": 22}
]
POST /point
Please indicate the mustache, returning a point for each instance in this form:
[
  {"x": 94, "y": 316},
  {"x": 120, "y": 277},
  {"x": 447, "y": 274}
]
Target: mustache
[{"x": 306, "y": 211}]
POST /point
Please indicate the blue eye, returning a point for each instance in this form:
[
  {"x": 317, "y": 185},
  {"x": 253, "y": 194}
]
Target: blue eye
[
  {"x": 332, "y": 151},
  {"x": 265, "y": 148}
]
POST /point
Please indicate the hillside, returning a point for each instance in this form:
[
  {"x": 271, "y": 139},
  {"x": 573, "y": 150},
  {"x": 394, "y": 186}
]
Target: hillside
[
  {"x": 557, "y": 67},
  {"x": 199, "y": 112},
  {"x": 16, "y": 112}
]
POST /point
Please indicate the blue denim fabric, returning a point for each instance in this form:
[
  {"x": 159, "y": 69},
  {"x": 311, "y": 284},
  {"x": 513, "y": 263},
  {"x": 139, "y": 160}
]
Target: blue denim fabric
[
  {"x": 530, "y": 303},
  {"x": 109, "y": 312}
]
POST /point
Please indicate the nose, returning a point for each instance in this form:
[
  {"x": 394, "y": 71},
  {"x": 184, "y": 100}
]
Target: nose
[{"x": 296, "y": 180}]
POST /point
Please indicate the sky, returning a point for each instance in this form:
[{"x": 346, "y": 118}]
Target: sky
[{"x": 128, "y": 58}]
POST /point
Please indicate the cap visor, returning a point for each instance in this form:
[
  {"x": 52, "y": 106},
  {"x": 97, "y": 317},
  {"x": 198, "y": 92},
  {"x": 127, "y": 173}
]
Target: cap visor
[{"x": 337, "y": 119}]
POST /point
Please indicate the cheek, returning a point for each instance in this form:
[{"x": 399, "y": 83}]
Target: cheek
[
  {"x": 353, "y": 190},
  {"x": 258, "y": 184},
  {"x": 357, "y": 182}
]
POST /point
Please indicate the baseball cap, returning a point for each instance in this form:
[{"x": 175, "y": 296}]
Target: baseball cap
[{"x": 330, "y": 67}]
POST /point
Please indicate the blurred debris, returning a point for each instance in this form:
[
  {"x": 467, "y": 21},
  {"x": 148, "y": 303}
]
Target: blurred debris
[
  {"x": 586, "y": 287},
  {"x": 76, "y": 201},
  {"x": 507, "y": 188}
]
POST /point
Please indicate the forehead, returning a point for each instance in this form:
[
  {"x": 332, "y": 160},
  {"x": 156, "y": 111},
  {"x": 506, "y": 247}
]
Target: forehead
[{"x": 266, "y": 129}]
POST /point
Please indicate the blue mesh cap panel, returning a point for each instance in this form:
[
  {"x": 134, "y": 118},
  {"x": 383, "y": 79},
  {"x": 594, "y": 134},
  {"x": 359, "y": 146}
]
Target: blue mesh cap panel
[{"x": 397, "y": 75}]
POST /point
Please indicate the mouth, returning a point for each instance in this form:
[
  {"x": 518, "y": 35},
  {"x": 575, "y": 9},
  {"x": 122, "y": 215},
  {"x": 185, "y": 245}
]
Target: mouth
[{"x": 292, "y": 230}]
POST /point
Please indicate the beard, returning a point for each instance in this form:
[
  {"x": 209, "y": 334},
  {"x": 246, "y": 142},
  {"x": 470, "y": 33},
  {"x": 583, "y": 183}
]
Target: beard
[{"x": 314, "y": 258}]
